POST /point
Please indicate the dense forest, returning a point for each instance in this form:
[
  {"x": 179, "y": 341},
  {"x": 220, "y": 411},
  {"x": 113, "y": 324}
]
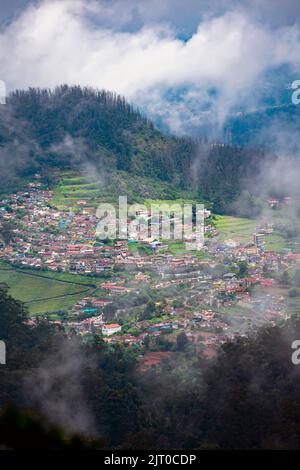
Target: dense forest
[
  {"x": 270, "y": 127},
  {"x": 43, "y": 130},
  {"x": 53, "y": 386}
]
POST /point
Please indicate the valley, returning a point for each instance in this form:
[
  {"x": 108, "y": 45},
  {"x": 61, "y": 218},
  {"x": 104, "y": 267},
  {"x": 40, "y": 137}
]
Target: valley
[{"x": 140, "y": 293}]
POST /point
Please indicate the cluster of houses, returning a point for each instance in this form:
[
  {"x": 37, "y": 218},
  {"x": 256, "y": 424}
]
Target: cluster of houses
[
  {"x": 275, "y": 203},
  {"x": 47, "y": 238}
]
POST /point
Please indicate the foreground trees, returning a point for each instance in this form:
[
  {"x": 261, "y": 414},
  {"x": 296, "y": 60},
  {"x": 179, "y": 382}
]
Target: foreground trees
[{"x": 247, "y": 397}]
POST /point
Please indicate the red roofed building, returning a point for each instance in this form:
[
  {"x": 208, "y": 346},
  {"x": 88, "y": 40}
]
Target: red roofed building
[
  {"x": 267, "y": 282},
  {"x": 250, "y": 280},
  {"x": 111, "y": 329},
  {"x": 293, "y": 257},
  {"x": 154, "y": 358},
  {"x": 113, "y": 288}
]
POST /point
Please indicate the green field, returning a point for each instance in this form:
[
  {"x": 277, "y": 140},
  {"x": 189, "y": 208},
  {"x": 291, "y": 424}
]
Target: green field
[
  {"x": 44, "y": 294},
  {"x": 170, "y": 202},
  {"x": 70, "y": 189},
  {"x": 274, "y": 242},
  {"x": 73, "y": 186},
  {"x": 235, "y": 228}
]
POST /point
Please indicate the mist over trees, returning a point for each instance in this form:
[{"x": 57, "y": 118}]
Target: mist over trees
[
  {"x": 247, "y": 397},
  {"x": 73, "y": 127}
]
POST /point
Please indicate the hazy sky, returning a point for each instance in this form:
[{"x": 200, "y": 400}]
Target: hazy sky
[
  {"x": 173, "y": 58},
  {"x": 185, "y": 15}
]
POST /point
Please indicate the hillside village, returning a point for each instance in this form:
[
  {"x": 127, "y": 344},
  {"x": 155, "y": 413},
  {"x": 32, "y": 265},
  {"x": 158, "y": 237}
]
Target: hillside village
[{"x": 144, "y": 295}]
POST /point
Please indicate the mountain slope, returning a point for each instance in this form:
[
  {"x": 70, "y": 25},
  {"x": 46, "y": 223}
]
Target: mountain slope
[
  {"x": 270, "y": 127},
  {"x": 76, "y": 126},
  {"x": 71, "y": 127}
]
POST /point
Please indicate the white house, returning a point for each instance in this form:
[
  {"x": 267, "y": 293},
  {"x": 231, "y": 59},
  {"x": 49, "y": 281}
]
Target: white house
[{"x": 111, "y": 329}]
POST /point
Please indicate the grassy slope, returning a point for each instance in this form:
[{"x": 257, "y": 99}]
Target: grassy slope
[
  {"x": 236, "y": 228},
  {"x": 97, "y": 188},
  {"x": 44, "y": 294},
  {"x": 275, "y": 242}
]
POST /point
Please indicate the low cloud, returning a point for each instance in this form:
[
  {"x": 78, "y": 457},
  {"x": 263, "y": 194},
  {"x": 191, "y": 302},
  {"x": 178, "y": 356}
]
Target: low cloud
[
  {"x": 56, "y": 389},
  {"x": 120, "y": 46}
]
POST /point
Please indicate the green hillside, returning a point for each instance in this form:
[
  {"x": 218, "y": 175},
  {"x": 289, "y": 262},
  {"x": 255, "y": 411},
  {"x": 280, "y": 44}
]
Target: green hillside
[
  {"x": 45, "y": 292},
  {"x": 98, "y": 133}
]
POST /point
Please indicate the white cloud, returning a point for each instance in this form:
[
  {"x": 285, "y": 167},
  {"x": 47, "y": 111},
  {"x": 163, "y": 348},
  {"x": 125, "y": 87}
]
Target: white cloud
[{"x": 70, "y": 42}]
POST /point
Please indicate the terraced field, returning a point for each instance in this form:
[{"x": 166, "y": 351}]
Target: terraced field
[
  {"x": 71, "y": 189},
  {"x": 43, "y": 293},
  {"x": 235, "y": 228},
  {"x": 100, "y": 188},
  {"x": 275, "y": 242}
]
